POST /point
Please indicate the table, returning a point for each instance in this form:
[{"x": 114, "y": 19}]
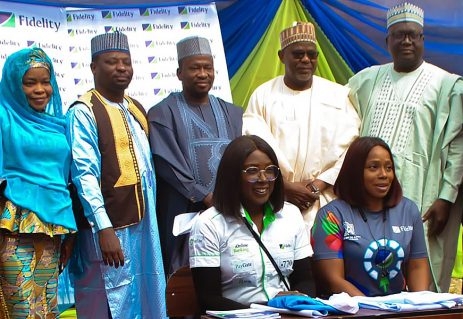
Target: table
[{"x": 453, "y": 313}]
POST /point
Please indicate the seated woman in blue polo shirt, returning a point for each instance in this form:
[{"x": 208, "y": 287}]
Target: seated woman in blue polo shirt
[
  {"x": 369, "y": 241},
  {"x": 230, "y": 270}
]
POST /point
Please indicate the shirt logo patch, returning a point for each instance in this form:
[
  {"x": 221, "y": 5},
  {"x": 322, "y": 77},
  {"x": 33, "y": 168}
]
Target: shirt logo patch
[
  {"x": 349, "y": 229},
  {"x": 240, "y": 248},
  {"x": 284, "y": 246},
  {"x": 399, "y": 229},
  {"x": 285, "y": 263},
  {"x": 195, "y": 239},
  {"x": 242, "y": 266}
]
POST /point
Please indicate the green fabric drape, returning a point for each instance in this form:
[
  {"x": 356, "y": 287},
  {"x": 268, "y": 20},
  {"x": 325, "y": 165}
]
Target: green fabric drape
[{"x": 263, "y": 63}]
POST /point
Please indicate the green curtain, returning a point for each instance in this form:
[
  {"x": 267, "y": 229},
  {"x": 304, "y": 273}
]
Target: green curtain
[{"x": 263, "y": 63}]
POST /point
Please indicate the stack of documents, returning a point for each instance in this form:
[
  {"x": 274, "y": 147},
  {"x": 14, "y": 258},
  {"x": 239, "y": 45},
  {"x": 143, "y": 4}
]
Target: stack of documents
[{"x": 244, "y": 314}]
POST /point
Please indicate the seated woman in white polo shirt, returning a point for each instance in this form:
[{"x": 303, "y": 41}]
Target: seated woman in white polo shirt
[{"x": 230, "y": 270}]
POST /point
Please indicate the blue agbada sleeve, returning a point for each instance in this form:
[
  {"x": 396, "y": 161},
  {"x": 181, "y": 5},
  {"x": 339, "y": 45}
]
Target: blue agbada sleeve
[
  {"x": 297, "y": 303},
  {"x": 81, "y": 132}
]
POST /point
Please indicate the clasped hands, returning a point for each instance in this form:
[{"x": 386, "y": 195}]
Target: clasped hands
[{"x": 303, "y": 194}]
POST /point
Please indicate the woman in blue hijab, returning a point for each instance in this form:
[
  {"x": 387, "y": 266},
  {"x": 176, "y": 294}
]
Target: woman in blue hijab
[{"x": 35, "y": 207}]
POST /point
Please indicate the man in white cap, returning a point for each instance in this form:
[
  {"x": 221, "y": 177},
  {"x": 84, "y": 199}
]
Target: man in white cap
[
  {"x": 417, "y": 109},
  {"x": 189, "y": 131},
  {"x": 118, "y": 272},
  {"x": 307, "y": 120}
]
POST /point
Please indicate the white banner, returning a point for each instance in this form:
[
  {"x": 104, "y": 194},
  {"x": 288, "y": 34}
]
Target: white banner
[{"x": 153, "y": 33}]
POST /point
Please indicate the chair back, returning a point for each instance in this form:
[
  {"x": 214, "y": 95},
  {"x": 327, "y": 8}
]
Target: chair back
[{"x": 180, "y": 294}]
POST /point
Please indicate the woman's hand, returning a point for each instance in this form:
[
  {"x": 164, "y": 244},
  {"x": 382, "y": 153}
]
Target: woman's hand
[
  {"x": 66, "y": 251},
  {"x": 417, "y": 274},
  {"x": 329, "y": 274}
]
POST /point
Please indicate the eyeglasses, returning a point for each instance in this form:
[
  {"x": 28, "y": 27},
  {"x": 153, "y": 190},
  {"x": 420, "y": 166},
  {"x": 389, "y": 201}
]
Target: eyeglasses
[
  {"x": 401, "y": 35},
  {"x": 312, "y": 55},
  {"x": 253, "y": 173}
]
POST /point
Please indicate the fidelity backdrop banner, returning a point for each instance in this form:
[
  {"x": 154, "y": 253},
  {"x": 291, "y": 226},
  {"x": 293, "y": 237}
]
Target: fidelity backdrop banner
[{"x": 153, "y": 33}]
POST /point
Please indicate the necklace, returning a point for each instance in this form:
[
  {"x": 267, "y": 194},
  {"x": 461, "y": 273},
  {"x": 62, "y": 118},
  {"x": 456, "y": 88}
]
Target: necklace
[{"x": 383, "y": 257}]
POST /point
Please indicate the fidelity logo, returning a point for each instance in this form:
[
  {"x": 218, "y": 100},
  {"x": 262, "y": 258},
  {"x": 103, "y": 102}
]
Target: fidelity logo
[
  {"x": 81, "y": 31},
  {"x": 9, "y": 43},
  {"x": 163, "y": 92},
  {"x": 159, "y": 92},
  {"x": 154, "y": 59},
  {"x": 156, "y": 26},
  {"x": 79, "y": 16},
  {"x": 158, "y": 43},
  {"x": 81, "y": 82},
  {"x": 108, "y": 29},
  {"x": 186, "y": 25},
  {"x": 7, "y": 19},
  {"x": 149, "y": 44},
  {"x": 192, "y": 10},
  {"x": 76, "y": 49},
  {"x": 146, "y": 12},
  {"x": 43, "y": 45},
  {"x": 79, "y": 65},
  {"x": 106, "y": 14}
]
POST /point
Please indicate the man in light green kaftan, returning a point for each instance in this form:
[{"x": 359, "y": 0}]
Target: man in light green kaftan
[{"x": 417, "y": 109}]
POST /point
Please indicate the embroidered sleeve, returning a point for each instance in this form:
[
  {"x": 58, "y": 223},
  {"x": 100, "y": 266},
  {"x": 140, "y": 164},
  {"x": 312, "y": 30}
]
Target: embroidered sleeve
[{"x": 170, "y": 161}]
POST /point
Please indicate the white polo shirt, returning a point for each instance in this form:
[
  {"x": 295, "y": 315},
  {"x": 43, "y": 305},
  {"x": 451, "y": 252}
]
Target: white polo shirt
[{"x": 248, "y": 276}]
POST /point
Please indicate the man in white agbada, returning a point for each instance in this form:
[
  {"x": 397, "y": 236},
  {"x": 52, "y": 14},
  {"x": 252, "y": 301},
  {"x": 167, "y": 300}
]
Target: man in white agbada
[
  {"x": 308, "y": 121},
  {"x": 417, "y": 109}
]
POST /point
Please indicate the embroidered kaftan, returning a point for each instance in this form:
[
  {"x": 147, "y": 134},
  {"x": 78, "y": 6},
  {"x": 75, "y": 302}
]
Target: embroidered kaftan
[
  {"x": 420, "y": 115},
  {"x": 309, "y": 130},
  {"x": 187, "y": 142}
]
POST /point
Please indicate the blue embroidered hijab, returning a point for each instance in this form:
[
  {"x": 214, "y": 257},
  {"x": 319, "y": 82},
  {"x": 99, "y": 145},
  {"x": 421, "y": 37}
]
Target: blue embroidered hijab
[
  {"x": 34, "y": 154},
  {"x": 14, "y": 98}
]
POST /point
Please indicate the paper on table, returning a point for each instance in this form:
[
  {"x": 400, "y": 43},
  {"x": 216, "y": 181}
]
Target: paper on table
[
  {"x": 183, "y": 223},
  {"x": 244, "y": 314},
  {"x": 408, "y": 301},
  {"x": 302, "y": 313}
]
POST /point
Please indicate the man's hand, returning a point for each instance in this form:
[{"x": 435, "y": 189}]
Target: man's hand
[
  {"x": 110, "y": 248},
  {"x": 208, "y": 200},
  {"x": 300, "y": 195},
  {"x": 437, "y": 217},
  {"x": 66, "y": 250}
]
